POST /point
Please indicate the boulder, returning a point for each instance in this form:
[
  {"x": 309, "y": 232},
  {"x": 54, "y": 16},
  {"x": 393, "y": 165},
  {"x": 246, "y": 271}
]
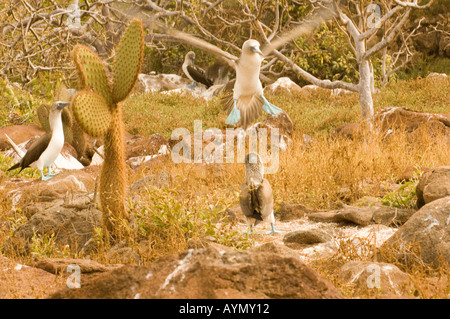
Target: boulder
[
  {"x": 210, "y": 274},
  {"x": 60, "y": 265},
  {"x": 19, "y": 134},
  {"x": 376, "y": 279},
  {"x": 391, "y": 216},
  {"x": 433, "y": 184},
  {"x": 23, "y": 190},
  {"x": 173, "y": 83},
  {"x": 410, "y": 173},
  {"x": 235, "y": 213},
  {"x": 409, "y": 120},
  {"x": 281, "y": 121},
  {"x": 18, "y": 281},
  {"x": 364, "y": 216},
  {"x": 160, "y": 82},
  {"x": 424, "y": 238},
  {"x": 277, "y": 248},
  {"x": 306, "y": 237},
  {"x": 141, "y": 146},
  {"x": 325, "y": 217},
  {"x": 401, "y": 118},
  {"x": 358, "y": 215},
  {"x": 200, "y": 146},
  {"x": 69, "y": 224},
  {"x": 215, "y": 145},
  {"x": 291, "y": 211},
  {"x": 436, "y": 76},
  {"x": 283, "y": 85}
]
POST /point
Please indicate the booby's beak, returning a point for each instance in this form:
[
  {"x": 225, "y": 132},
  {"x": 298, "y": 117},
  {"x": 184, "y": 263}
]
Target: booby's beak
[
  {"x": 62, "y": 105},
  {"x": 256, "y": 49}
]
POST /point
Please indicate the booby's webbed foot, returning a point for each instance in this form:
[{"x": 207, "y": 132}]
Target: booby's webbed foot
[
  {"x": 270, "y": 108},
  {"x": 50, "y": 172},
  {"x": 46, "y": 177},
  {"x": 234, "y": 116},
  {"x": 192, "y": 86},
  {"x": 273, "y": 231}
]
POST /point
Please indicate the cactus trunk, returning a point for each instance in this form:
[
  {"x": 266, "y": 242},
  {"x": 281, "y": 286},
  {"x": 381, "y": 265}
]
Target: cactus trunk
[{"x": 113, "y": 178}]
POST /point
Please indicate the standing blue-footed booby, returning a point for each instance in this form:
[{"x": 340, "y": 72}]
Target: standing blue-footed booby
[
  {"x": 43, "y": 152},
  {"x": 256, "y": 197},
  {"x": 195, "y": 73},
  {"x": 248, "y": 100}
]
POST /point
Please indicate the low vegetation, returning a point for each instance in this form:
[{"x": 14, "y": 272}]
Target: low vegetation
[{"x": 319, "y": 175}]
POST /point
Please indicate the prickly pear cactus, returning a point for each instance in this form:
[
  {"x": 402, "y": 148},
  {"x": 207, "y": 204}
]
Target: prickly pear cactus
[{"x": 98, "y": 111}]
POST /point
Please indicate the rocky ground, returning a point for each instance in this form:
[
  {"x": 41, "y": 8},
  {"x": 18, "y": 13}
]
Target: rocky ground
[{"x": 277, "y": 267}]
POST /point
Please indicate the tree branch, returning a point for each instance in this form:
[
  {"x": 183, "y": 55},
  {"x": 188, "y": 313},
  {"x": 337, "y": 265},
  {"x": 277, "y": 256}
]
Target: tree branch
[{"x": 390, "y": 37}]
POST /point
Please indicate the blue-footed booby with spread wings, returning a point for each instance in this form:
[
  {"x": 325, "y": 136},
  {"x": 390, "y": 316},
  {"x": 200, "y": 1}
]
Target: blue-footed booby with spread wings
[
  {"x": 247, "y": 101},
  {"x": 44, "y": 151}
]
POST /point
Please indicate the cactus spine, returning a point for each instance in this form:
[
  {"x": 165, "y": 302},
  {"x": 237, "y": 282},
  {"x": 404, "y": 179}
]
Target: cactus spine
[{"x": 98, "y": 111}]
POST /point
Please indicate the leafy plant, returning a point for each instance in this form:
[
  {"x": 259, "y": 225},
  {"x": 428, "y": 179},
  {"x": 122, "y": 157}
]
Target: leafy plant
[
  {"x": 7, "y": 162},
  {"x": 403, "y": 197},
  {"x": 45, "y": 246}
]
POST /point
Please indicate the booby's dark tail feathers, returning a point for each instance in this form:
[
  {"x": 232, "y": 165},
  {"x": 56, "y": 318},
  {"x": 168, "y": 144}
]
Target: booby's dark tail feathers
[{"x": 17, "y": 165}]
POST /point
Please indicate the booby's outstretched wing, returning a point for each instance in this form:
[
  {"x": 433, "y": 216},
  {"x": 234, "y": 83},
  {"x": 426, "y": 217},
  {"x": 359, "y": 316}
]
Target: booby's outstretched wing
[
  {"x": 182, "y": 37},
  {"x": 320, "y": 16}
]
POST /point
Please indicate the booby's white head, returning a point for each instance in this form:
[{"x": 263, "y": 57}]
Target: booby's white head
[
  {"x": 252, "y": 47},
  {"x": 190, "y": 56},
  {"x": 55, "y": 113}
]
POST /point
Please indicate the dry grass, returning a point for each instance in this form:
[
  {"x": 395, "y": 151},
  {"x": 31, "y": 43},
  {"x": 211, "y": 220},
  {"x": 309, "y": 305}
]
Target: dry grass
[
  {"x": 428, "y": 282},
  {"x": 316, "y": 175},
  {"x": 191, "y": 210}
]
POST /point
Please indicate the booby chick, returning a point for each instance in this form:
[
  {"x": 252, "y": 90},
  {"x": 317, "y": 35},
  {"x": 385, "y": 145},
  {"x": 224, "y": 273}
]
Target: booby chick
[
  {"x": 248, "y": 101},
  {"x": 195, "y": 73},
  {"x": 46, "y": 149},
  {"x": 256, "y": 197}
]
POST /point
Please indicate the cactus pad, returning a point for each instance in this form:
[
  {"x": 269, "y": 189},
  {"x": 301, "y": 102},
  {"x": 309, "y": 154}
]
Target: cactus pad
[
  {"x": 42, "y": 114},
  {"x": 92, "y": 113},
  {"x": 92, "y": 71},
  {"x": 128, "y": 60}
]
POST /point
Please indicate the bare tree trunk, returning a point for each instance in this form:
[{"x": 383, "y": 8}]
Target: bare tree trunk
[{"x": 365, "y": 94}]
